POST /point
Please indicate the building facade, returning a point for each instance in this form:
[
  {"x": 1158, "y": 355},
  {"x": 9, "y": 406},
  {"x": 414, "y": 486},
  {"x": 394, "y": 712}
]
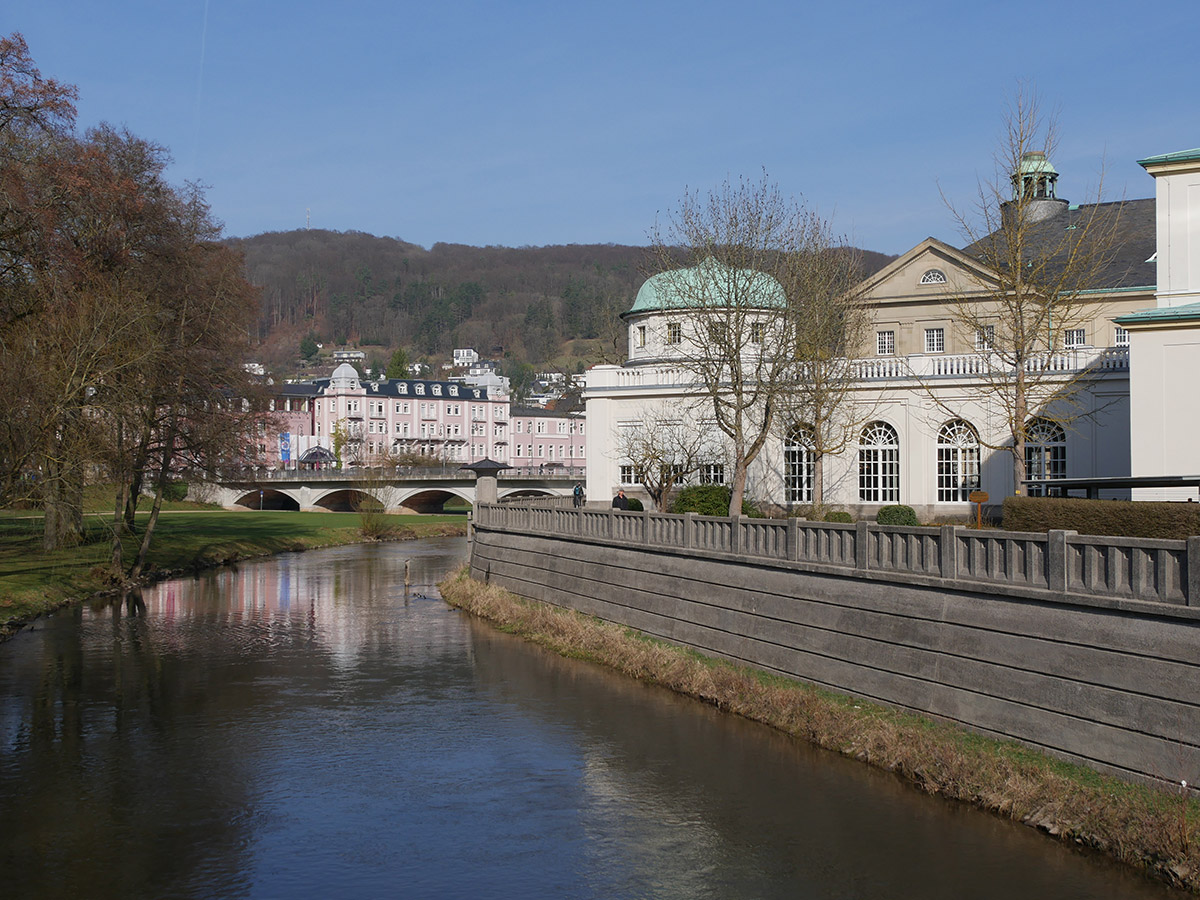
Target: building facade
[
  {"x": 926, "y": 425},
  {"x": 344, "y": 420}
]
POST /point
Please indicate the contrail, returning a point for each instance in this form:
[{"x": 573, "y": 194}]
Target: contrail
[{"x": 199, "y": 94}]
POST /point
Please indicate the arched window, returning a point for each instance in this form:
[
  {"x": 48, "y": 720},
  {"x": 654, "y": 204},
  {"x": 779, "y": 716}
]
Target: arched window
[
  {"x": 1045, "y": 454},
  {"x": 879, "y": 464},
  {"x": 957, "y": 461},
  {"x": 933, "y": 276},
  {"x": 798, "y": 465}
]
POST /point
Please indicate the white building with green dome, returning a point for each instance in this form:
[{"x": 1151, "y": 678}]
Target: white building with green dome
[{"x": 928, "y": 436}]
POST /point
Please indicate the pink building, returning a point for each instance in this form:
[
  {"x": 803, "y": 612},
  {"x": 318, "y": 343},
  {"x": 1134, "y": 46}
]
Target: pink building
[{"x": 379, "y": 422}]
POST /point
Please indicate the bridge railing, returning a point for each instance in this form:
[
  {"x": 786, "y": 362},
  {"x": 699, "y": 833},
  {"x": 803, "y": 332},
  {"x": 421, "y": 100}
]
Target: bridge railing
[
  {"x": 260, "y": 474},
  {"x": 1060, "y": 562}
]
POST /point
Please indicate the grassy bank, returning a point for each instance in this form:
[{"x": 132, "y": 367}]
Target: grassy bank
[
  {"x": 33, "y": 582},
  {"x": 1155, "y": 830}
]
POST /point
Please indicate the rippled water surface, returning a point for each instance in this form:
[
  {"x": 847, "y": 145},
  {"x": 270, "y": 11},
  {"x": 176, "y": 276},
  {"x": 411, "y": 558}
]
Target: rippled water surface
[{"x": 304, "y": 727}]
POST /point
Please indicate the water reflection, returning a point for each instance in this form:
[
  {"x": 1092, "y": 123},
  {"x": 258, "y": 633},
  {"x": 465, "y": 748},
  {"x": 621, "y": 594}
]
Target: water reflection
[{"x": 303, "y": 727}]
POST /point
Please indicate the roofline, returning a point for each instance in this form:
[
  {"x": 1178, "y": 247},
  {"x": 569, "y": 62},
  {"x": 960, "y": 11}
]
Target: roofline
[
  {"x": 930, "y": 243},
  {"x": 1180, "y": 156}
]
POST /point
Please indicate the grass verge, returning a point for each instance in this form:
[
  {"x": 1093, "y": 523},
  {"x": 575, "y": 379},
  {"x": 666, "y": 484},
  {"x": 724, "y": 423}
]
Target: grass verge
[
  {"x": 1155, "y": 830},
  {"x": 33, "y": 582}
]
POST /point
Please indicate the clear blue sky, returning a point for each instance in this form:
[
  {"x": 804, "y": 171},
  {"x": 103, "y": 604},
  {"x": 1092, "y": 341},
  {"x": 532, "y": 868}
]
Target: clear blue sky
[{"x": 529, "y": 123}]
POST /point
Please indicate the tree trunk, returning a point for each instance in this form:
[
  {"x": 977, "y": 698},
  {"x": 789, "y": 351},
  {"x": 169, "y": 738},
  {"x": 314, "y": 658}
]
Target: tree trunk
[
  {"x": 164, "y": 470},
  {"x": 818, "y": 485},
  {"x": 738, "y": 488},
  {"x": 117, "y": 564}
]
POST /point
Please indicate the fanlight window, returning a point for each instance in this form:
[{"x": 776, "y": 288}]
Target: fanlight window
[
  {"x": 933, "y": 276},
  {"x": 957, "y": 461},
  {"x": 879, "y": 464},
  {"x": 1045, "y": 454},
  {"x": 798, "y": 465}
]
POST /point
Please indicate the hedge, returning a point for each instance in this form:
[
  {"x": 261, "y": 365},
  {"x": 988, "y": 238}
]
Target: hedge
[
  {"x": 708, "y": 500},
  {"x": 1114, "y": 518},
  {"x": 897, "y": 514}
]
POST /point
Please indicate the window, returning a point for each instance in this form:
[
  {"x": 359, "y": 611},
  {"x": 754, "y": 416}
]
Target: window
[
  {"x": 628, "y": 475},
  {"x": 879, "y": 464},
  {"x": 885, "y": 343},
  {"x": 541, "y": 427},
  {"x": 935, "y": 340},
  {"x": 674, "y": 333},
  {"x": 798, "y": 466},
  {"x": 933, "y": 276},
  {"x": 758, "y": 332},
  {"x": 710, "y": 473},
  {"x": 1122, "y": 338},
  {"x": 420, "y": 389},
  {"x": 1045, "y": 454},
  {"x": 985, "y": 338},
  {"x": 1074, "y": 337},
  {"x": 641, "y": 335},
  {"x": 957, "y": 461},
  {"x": 562, "y": 427}
]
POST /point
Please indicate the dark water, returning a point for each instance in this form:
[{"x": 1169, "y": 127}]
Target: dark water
[{"x": 299, "y": 728}]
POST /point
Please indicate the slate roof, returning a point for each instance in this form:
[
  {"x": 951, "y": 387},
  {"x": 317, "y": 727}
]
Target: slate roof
[
  {"x": 1133, "y": 248},
  {"x": 408, "y": 388}
]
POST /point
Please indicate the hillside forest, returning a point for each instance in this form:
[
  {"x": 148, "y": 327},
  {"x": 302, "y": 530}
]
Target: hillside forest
[{"x": 555, "y": 306}]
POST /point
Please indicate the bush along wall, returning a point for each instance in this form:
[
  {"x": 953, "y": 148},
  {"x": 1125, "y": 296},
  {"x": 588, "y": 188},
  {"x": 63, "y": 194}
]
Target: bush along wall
[
  {"x": 1118, "y": 518},
  {"x": 897, "y": 514}
]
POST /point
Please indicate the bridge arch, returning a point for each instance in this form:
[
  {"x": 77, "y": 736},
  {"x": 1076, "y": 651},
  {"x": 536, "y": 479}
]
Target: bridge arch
[
  {"x": 526, "y": 493},
  {"x": 432, "y": 500},
  {"x": 267, "y": 498}
]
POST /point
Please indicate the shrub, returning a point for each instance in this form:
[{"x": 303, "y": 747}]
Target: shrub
[
  {"x": 175, "y": 491},
  {"x": 635, "y": 505},
  {"x": 1115, "y": 518},
  {"x": 837, "y": 515},
  {"x": 897, "y": 514},
  {"x": 709, "y": 500}
]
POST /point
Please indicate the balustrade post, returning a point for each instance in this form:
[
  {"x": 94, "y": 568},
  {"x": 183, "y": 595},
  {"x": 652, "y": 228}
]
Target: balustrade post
[
  {"x": 579, "y": 520},
  {"x": 1193, "y": 571},
  {"x": 612, "y": 515},
  {"x": 735, "y": 534},
  {"x": 793, "y": 539},
  {"x": 948, "y": 550},
  {"x": 1056, "y": 559},
  {"x": 689, "y": 530},
  {"x": 862, "y": 534},
  {"x": 645, "y": 526}
]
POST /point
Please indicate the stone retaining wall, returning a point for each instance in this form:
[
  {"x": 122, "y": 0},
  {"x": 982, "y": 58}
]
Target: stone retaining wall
[{"x": 1085, "y": 647}]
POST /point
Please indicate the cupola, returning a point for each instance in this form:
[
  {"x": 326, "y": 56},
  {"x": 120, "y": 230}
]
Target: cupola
[{"x": 1035, "y": 186}]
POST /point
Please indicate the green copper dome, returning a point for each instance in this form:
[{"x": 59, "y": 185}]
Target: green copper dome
[{"x": 703, "y": 286}]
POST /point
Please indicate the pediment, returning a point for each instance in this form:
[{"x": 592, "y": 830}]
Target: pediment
[{"x": 930, "y": 271}]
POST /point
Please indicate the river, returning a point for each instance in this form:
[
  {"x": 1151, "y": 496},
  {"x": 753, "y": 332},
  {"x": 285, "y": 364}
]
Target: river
[{"x": 304, "y": 727}]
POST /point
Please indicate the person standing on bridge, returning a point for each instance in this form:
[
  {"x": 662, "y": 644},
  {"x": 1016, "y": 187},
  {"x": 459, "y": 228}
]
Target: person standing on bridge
[
  {"x": 577, "y": 495},
  {"x": 620, "y": 501}
]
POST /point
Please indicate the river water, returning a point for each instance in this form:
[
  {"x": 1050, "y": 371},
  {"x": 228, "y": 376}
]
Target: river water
[{"x": 304, "y": 727}]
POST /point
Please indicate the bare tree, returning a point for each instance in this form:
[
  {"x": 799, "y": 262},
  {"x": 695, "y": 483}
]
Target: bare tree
[
  {"x": 1040, "y": 266},
  {"x": 664, "y": 450},
  {"x": 753, "y": 260},
  {"x": 823, "y": 412}
]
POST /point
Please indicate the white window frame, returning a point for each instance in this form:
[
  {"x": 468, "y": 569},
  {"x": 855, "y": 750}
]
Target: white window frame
[
  {"x": 885, "y": 343},
  {"x": 935, "y": 340},
  {"x": 985, "y": 338}
]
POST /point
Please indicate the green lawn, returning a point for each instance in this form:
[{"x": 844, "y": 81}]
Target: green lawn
[{"x": 33, "y": 582}]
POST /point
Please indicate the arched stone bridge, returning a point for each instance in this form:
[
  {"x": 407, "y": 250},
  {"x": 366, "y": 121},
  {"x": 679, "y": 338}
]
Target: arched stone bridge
[{"x": 404, "y": 489}]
